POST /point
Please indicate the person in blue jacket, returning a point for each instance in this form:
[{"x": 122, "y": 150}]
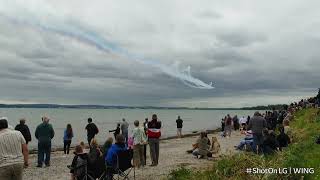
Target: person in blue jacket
[
  {"x": 67, "y": 138},
  {"x": 111, "y": 156}
]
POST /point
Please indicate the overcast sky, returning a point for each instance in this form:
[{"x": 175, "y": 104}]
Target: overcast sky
[{"x": 255, "y": 52}]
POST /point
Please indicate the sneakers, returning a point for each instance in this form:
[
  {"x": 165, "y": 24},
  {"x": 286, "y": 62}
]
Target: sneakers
[{"x": 39, "y": 166}]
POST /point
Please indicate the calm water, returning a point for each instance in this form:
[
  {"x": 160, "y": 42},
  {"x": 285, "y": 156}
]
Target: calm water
[{"x": 106, "y": 120}]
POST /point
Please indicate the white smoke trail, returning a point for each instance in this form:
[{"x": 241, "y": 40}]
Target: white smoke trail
[{"x": 91, "y": 38}]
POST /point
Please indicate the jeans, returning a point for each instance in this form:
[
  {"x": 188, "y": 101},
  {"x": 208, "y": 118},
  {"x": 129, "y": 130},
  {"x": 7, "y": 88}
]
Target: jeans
[
  {"x": 44, "y": 152},
  {"x": 257, "y": 141},
  {"x": 246, "y": 142},
  {"x": 125, "y": 134},
  {"x": 66, "y": 146},
  {"x": 154, "y": 150}
]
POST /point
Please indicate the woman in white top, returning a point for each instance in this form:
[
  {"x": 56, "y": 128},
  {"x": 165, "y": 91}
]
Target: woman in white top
[{"x": 139, "y": 140}]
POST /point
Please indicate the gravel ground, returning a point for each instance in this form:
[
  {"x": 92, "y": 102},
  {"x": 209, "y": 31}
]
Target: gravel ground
[{"x": 172, "y": 156}]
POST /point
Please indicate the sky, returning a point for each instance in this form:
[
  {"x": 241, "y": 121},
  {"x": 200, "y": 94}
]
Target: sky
[{"x": 255, "y": 52}]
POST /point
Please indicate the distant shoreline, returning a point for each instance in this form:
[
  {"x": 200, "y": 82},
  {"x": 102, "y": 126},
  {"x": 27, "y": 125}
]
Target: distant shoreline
[{"x": 58, "y": 106}]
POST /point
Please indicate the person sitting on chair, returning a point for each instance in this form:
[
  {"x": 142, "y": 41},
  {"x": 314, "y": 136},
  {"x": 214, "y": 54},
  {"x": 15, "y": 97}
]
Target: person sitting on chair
[
  {"x": 79, "y": 163},
  {"x": 248, "y": 140},
  {"x": 111, "y": 158}
]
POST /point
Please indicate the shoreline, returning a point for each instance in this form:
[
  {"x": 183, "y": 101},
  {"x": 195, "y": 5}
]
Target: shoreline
[{"x": 194, "y": 133}]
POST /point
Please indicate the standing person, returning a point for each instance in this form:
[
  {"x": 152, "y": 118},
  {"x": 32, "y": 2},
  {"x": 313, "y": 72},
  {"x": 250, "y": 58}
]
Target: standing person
[
  {"x": 44, "y": 133},
  {"x": 145, "y": 126},
  {"x": 67, "y": 138},
  {"x": 92, "y": 130},
  {"x": 139, "y": 140},
  {"x": 235, "y": 123},
  {"x": 14, "y": 153},
  {"x": 179, "y": 122},
  {"x": 124, "y": 129},
  {"x": 222, "y": 124},
  {"x": 243, "y": 123},
  {"x": 248, "y": 119},
  {"x": 154, "y": 133},
  {"x": 24, "y": 129},
  {"x": 116, "y": 131},
  {"x": 228, "y": 126},
  {"x": 257, "y": 124}
]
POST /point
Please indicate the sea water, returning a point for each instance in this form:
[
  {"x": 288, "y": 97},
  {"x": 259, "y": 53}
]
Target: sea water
[{"x": 107, "y": 119}]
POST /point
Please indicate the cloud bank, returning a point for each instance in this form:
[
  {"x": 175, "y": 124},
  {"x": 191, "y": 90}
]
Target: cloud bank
[{"x": 249, "y": 49}]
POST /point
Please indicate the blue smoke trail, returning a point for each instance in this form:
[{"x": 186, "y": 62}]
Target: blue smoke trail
[{"x": 91, "y": 38}]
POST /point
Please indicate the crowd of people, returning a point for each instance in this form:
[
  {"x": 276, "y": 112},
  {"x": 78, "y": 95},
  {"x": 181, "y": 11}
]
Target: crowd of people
[
  {"x": 268, "y": 132},
  {"x": 264, "y": 133}
]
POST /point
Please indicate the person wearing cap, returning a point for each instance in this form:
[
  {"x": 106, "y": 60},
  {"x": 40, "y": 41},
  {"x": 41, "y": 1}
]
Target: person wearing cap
[
  {"x": 14, "y": 153},
  {"x": 44, "y": 133},
  {"x": 24, "y": 129}
]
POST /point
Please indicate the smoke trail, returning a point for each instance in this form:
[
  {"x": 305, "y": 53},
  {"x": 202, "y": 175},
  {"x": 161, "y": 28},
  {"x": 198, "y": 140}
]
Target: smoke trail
[{"x": 91, "y": 38}]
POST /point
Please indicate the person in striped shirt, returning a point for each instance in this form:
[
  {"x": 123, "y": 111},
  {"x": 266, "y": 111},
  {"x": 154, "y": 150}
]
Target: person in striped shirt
[{"x": 14, "y": 153}]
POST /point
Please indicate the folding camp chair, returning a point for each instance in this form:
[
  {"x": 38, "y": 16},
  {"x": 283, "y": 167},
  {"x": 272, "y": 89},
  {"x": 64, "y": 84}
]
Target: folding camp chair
[
  {"x": 85, "y": 175},
  {"x": 124, "y": 166}
]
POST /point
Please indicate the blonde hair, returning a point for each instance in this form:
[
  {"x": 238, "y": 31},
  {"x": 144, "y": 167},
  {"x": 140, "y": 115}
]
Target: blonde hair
[
  {"x": 94, "y": 143},
  {"x": 110, "y": 140}
]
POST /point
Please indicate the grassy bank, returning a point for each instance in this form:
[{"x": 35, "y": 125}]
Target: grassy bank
[{"x": 302, "y": 153}]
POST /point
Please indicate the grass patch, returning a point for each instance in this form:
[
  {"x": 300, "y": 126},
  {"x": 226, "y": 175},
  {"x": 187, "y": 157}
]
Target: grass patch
[{"x": 303, "y": 153}]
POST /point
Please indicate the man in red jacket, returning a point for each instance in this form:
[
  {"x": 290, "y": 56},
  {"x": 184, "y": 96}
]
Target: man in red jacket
[{"x": 154, "y": 133}]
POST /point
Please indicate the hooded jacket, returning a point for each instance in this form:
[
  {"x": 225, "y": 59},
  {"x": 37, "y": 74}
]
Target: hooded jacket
[{"x": 111, "y": 157}]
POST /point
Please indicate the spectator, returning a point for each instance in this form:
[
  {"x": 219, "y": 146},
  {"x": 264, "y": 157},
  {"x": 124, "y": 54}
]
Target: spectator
[
  {"x": 243, "y": 123},
  {"x": 44, "y": 133},
  {"x": 222, "y": 125},
  {"x": 107, "y": 146},
  {"x": 111, "y": 158},
  {"x": 139, "y": 140},
  {"x": 179, "y": 122},
  {"x": 236, "y": 124},
  {"x": 270, "y": 143},
  {"x": 24, "y": 129},
  {"x": 283, "y": 139},
  {"x": 257, "y": 124},
  {"x": 201, "y": 146},
  {"x": 13, "y": 153},
  {"x": 116, "y": 131},
  {"x": 248, "y": 140},
  {"x": 67, "y": 138},
  {"x": 92, "y": 130},
  {"x": 228, "y": 126},
  {"x": 154, "y": 133},
  {"x": 96, "y": 164},
  {"x": 145, "y": 125},
  {"x": 78, "y": 166},
  {"x": 124, "y": 129}
]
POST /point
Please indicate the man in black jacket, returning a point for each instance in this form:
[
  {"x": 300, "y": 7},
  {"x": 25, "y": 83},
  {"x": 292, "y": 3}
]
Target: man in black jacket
[
  {"x": 24, "y": 129},
  {"x": 92, "y": 130}
]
